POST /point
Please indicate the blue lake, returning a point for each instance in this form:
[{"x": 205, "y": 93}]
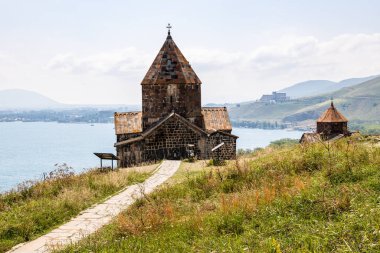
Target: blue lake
[{"x": 27, "y": 150}]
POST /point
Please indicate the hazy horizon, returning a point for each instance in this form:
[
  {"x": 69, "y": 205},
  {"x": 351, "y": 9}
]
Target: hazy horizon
[
  {"x": 97, "y": 52},
  {"x": 22, "y": 93}
]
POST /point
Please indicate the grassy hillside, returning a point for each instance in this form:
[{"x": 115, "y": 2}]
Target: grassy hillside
[
  {"x": 360, "y": 102},
  {"x": 367, "y": 89},
  {"x": 291, "y": 199},
  {"x": 37, "y": 207},
  {"x": 257, "y": 111}
]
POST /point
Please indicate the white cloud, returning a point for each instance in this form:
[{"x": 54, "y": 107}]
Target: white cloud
[
  {"x": 291, "y": 53},
  {"x": 114, "y": 62},
  {"x": 251, "y": 73},
  {"x": 213, "y": 58},
  {"x": 302, "y": 57},
  {"x": 290, "y": 60}
]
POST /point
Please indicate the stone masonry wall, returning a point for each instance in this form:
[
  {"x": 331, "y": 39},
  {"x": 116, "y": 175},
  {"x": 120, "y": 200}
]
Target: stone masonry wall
[
  {"x": 169, "y": 141},
  {"x": 130, "y": 154},
  {"x": 123, "y": 137},
  {"x": 332, "y": 128},
  {"x": 160, "y": 100},
  {"x": 225, "y": 152}
]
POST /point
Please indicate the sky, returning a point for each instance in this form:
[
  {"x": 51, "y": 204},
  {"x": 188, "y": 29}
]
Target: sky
[{"x": 98, "y": 51}]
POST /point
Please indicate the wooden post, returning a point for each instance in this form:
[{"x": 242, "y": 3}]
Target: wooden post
[{"x": 101, "y": 163}]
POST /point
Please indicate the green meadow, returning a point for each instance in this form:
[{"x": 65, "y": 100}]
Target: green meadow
[{"x": 323, "y": 197}]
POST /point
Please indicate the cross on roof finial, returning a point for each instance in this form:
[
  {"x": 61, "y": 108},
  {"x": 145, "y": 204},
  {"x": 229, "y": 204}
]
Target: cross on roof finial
[{"x": 169, "y": 27}]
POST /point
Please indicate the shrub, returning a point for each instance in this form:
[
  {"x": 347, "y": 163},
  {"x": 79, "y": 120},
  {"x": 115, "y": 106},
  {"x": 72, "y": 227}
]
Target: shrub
[
  {"x": 241, "y": 152},
  {"x": 284, "y": 142}
]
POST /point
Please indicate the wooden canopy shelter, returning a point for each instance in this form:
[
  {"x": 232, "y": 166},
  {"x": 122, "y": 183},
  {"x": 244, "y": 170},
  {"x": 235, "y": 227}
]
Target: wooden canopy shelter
[{"x": 106, "y": 156}]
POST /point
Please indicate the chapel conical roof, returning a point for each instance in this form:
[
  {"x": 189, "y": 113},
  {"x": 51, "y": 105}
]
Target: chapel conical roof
[
  {"x": 332, "y": 115},
  {"x": 170, "y": 67}
]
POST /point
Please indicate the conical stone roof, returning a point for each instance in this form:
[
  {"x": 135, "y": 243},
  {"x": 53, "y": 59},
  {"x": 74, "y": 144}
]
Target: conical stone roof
[
  {"x": 170, "y": 67},
  {"x": 332, "y": 115}
]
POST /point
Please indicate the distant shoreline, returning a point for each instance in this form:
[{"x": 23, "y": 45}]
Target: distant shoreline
[
  {"x": 106, "y": 117},
  {"x": 242, "y": 126}
]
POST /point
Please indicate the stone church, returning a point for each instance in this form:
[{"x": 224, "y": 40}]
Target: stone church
[
  {"x": 330, "y": 125},
  {"x": 172, "y": 123}
]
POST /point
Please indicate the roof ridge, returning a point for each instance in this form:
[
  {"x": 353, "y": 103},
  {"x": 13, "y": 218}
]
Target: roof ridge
[
  {"x": 332, "y": 115},
  {"x": 176, "y": 48}
]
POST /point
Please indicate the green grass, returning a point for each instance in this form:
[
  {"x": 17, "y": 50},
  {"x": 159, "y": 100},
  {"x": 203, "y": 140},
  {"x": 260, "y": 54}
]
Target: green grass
[
  {"x": 37, "y": 207},
  {"x": 314, "y": 198}
]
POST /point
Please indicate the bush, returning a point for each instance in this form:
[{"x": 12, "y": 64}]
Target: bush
[
  {"x": 284, "y": 142},
  {"x": 242, "y": 151}
]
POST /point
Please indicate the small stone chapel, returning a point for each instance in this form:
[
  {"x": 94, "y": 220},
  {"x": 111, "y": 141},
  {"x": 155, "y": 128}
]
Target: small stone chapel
[{"x": 330, "y": 125}]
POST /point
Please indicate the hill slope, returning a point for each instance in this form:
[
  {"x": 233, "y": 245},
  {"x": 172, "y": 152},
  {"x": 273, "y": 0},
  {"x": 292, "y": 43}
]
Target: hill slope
[
  {"x": 309, "y": 88},
  {"x": 24, "y": 99},
  {"x": 359, "y": 102},
  {"x": 294, "y": 199},
  {"x": 319, "y": 87}
]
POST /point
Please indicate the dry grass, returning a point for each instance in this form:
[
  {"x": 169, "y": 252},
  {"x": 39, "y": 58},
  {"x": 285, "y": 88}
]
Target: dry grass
[
  {"x": 293, "y": 199},
  {"x": 36, "y": 207}
]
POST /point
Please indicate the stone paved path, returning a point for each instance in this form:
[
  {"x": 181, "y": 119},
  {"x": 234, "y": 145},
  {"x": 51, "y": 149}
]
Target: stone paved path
[{"x": 96, "y": 217}]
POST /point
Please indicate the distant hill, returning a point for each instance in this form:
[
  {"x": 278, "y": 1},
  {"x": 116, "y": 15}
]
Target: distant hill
[
  {"x": 18, "y": 99},
  {"x": 24, "y": 99},
  {"x": 319, "y": 87},
  {"x": 358, "y": 102}
]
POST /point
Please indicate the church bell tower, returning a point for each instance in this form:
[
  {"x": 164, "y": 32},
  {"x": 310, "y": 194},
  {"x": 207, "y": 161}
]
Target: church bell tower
[{"x": 170, "y": 85}]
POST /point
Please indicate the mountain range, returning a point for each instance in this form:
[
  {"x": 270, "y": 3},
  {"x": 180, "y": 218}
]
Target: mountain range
[
  {"x": 24, "y": 99},
  {"x": 357, "y": 98},
  {"x": 18, "y": 99}
]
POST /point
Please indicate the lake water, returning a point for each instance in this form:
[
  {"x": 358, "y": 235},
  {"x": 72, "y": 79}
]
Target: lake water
[{"x": 27, "y": 150}]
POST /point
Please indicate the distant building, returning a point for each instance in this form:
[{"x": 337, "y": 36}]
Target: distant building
[
  {"x": 275, "y": 97},
  {"x": 330, "y": 125},
  {"x": 172, "y": 123}
]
